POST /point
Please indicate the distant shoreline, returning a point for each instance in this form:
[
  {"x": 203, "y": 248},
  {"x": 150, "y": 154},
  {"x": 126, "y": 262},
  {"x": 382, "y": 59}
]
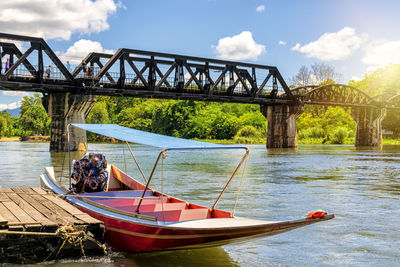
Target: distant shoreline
[
  {"x": 39, "y": 139},
  {"x": 27, "y": 138}
]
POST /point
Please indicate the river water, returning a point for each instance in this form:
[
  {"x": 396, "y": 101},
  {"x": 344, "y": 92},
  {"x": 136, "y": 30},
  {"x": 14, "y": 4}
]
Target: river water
[{"x": 360, "y": 185}]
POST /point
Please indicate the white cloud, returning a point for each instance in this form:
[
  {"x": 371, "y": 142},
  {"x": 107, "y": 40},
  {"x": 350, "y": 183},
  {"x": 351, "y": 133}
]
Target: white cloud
[
  {"x": 282, "y": 43},
  {"x": 382, "y": 53},
  {"x": 15, "y": 93},
  {"x": 333, "y": 46},
  {"x": 80, "y": 49},
  {"x": 239, "y": 47},
  {"x": 260, "y": 8},
  {"x": 356, "y": 78},
  {"x": 56, "y": 19},
  {"x": 12, "y": 105}
]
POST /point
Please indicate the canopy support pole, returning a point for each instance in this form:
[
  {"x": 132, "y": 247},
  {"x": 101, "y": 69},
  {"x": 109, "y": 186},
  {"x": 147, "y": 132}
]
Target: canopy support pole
[
  {"x": 137, "y": 163},
  {"x": 162, "y": 154},
  {"x": 69, "y": 156},
  {"x": 233, "y": 175}
]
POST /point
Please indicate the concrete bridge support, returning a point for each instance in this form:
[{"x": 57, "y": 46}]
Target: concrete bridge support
[
  {"x": 65, "y": 108},
  {"x": 282, "y": 131},
  {"x": 369, "y": 129}
]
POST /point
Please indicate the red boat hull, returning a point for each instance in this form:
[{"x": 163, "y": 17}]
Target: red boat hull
[{"x": 136, "y": 237}]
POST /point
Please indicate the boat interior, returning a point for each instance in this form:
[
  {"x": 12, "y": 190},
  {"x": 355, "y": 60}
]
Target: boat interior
[{"x": 123, "y": 193}]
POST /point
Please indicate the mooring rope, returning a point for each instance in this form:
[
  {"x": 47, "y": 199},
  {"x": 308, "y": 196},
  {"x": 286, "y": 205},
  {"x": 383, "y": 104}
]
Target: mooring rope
[
  {"x": 67, "y": 234},
  {"x": 240, "y": 187},
  {"x": 123, "y": 151}
]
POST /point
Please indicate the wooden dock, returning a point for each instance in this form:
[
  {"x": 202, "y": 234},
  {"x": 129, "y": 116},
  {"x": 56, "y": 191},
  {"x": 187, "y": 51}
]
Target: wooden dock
[{"x": 35, "y": 223}]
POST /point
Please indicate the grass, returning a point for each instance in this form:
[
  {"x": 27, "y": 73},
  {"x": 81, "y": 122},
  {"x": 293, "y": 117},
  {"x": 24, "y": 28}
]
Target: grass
[{"x": 10, "y": 139}]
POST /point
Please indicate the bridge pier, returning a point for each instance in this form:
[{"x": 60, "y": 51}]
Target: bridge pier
[
  {"x": 369, "y": 129},
  {"x": 63, "y": 109},
  {"x": 282, "y": 131}
]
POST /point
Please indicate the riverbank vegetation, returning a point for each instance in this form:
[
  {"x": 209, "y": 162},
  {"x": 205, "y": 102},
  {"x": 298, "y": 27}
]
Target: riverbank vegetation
[{"x": 222, "y": 122}]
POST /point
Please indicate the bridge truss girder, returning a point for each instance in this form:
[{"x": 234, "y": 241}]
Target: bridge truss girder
[
  {"x": 335, "y": 95},
  {"x": 184, "y": 77}
]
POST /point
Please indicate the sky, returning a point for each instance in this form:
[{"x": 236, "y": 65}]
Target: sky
[{"x": 354, "y": 36}]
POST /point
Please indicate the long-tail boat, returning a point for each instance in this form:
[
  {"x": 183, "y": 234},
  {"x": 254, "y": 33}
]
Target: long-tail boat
[{"x": 138, "y": 218}]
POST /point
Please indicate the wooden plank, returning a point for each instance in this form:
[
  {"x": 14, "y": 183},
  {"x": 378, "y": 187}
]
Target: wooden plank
[
  {"x": 88, "y": 219},
  {"x": 39, "y": 190},
  {"x": 5, "y": 190},
  {"x": 68, "y": 218},
  {"x": 32, "y": 212},
  {"x": 3, "y": 221},
  {"x": 64, "y": 205},
  {"x": 28, "y": 191},
  {"x": 72, "y": 210},
  {"x": 20, "y": 214},
  {"x": 40, "y": 206},
  {"x": 17, "y": 190},
  {"x": 42, "y": 210},
  {"x": 6, "y": 214},
  {"x": 4, "y": 197}
]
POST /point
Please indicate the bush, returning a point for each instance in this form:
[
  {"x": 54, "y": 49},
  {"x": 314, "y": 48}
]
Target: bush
[
  {"x": 248, "y": 131},
  {"x": 313, "y": 132},
  {"x": 248, "y": 135},
  {"x": 339, "y": 135}
]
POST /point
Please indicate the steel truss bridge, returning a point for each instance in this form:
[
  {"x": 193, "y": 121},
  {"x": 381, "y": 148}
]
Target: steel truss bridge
[{"x": 137, "y": 73}]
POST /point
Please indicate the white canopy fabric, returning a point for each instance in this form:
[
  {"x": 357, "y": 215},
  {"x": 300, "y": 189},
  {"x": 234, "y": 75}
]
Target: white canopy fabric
[{"x": 150, "y": 139}]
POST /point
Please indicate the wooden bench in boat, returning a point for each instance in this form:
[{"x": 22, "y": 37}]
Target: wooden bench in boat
[
  {"x": 119, "y": 194},
  {"x": 167, "y": 209}
]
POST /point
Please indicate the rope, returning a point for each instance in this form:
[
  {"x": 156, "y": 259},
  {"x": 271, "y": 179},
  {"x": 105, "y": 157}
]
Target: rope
[
  {"x": 123, "y": 151},
  {"x": 240, "y": 187},
  {"x": 68, "y": 234}
]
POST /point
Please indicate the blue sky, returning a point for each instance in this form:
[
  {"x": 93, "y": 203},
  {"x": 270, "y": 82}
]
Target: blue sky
[{"x": 352, "y": 36}]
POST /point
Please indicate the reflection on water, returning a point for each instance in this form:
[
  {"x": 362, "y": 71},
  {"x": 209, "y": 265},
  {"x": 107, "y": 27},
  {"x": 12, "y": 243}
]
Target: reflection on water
[
  {"x": 196, "y": 257},
  {"x": 360, "y": 185}
]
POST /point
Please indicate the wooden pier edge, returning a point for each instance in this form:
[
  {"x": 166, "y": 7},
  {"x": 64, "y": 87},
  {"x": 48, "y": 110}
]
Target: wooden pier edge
[{"x": 33, "y": 222}]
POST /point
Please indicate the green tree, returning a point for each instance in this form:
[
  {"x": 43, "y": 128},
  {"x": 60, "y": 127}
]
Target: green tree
[
  {"x": 30, "y": 101},
  {"x": 386, "y": 83},
  {"x": 3, "y": 125},
  {"x": 98, "y": 114},
  {"x": 35, "y": 120}
]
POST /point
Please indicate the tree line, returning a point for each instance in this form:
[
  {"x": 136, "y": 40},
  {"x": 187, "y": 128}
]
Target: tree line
[
  {"x": 33, "y": 119},
  {"x": 240, "y": 123}
]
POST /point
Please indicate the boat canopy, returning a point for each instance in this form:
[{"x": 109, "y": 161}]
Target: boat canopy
[{"x": 150, "y": 139}]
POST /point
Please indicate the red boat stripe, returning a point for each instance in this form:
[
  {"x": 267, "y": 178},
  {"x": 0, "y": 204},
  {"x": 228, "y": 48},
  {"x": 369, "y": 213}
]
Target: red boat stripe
[{"x": 178, "y": 236}]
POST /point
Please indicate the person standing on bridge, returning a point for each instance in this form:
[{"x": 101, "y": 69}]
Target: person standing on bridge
[
  {"x": 84, "y": 69},
  {"x": 7, "y": 64},
  {"x": 48, "y": 71}
]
